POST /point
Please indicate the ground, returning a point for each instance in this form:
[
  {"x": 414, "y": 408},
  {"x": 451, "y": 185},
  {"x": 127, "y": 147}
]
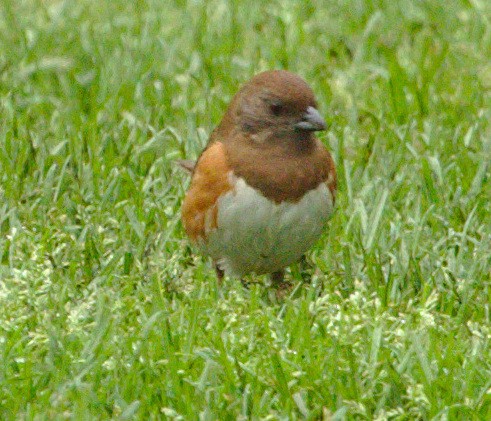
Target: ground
[{"x": 107, "y": 312}]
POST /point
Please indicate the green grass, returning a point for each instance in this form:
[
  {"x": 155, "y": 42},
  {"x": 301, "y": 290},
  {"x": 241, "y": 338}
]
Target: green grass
[{"x": 105, "y": 311}]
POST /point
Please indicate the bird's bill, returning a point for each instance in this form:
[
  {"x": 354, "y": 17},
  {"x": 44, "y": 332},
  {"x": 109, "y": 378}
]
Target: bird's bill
[{"x": 311, "y": 121}]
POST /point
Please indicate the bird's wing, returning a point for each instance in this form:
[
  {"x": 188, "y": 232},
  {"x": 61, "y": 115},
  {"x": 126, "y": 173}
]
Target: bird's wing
[{"x": 211, "y": 179}]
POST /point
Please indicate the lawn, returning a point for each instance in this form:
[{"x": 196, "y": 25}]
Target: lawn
[{"x": 106, "y": 311}]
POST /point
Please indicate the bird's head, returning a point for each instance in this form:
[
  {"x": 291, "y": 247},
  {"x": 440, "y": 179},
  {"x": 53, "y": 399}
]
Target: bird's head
[{"x": 276, "y": 105}]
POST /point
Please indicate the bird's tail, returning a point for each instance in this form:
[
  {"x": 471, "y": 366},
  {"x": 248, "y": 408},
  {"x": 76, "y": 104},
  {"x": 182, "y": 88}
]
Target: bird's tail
[{"x": 187, "y": 164}]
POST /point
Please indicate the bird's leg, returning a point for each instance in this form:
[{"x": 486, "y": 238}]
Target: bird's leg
[
  {"x": 278, "y": 278},
  {"x": 220, "y": 274},
  {"x": 282, "y": 287},
  {"x": 305, "y": 269}
]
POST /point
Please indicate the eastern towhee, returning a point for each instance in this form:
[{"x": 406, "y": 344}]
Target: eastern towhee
[{"x": 263, "y": 189}]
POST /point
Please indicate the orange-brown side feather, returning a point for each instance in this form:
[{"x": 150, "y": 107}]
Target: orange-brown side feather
[{"x": 210, "y": 180}]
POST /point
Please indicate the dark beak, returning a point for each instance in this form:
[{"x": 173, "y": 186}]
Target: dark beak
[{"x": 311, "y": 121}]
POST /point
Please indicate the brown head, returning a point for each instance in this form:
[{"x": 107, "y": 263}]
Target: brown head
[{"x": 272, "y": 106}]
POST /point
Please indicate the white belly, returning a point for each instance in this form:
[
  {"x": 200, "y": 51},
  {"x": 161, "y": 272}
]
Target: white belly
[{"x": 255, "y": 234}]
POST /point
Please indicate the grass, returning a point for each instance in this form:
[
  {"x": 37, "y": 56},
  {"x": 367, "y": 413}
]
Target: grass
[{"x": 106, "y": 312}]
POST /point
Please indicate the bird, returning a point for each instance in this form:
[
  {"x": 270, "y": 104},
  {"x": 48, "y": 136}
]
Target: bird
[{"x": 264, "y": 187}]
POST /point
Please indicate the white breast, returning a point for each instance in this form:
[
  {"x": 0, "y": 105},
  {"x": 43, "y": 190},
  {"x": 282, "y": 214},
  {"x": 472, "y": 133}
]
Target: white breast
[{"x": 255, "y": 234}]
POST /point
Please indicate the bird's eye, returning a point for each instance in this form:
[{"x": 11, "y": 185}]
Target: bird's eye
[{"x": 276, "y": 108}]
